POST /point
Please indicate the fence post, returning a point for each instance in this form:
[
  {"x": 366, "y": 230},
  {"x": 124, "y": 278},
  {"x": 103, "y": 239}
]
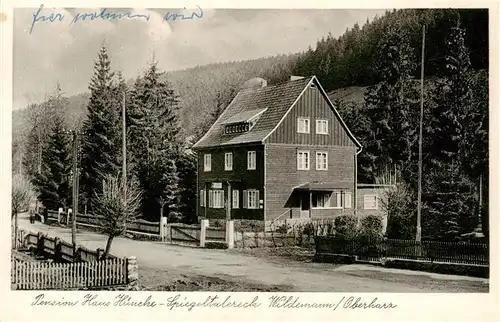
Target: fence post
[
  {"x": 163, "y": 224},
  {"x": 70, "y": 212},
  {"x": 203, "y": 232},
  {"x": 99, "y": 252},
  {"x": 230, "y": 234},
  {"x": 132, "y": 273},
  {"x": 77, "y": 254},
  {"x": 59, "y": 212},
  {"x": 39, "y": 244},
  {"x": 57, "y": 250}
]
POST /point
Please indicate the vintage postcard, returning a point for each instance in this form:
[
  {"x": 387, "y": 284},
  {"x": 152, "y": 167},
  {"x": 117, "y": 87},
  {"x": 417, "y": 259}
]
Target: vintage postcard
[{"x": 174, "y": 160}]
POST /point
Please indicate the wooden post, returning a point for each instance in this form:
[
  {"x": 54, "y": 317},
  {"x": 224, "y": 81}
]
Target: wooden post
[
  {"x": 310, "y": 204},
  {"x": 230, "y": 234},
  {"x": 418, "y": 235},
  {"x": 203, "y": 232},
  {"x": 132, "y": 273},
  {"x": 228, "y": 206},
  {"x": 57, "y": 249},
  {"x": 99, "y": 252}
]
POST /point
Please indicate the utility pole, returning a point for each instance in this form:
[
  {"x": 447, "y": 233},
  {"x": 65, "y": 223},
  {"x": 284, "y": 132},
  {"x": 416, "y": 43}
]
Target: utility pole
[
  {"x": 124, "y": 142},
  {"x": 75, "y": 189},
  {"x": 418, "y": 236}
]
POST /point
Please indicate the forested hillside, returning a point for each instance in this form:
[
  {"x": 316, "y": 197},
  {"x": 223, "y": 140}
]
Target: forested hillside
[{"x": 371, "y": 73}]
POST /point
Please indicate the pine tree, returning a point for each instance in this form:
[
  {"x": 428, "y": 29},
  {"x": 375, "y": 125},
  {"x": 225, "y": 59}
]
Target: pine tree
[
  {"x": 53, "y": 181},
  {"x": 188, "y": 190},
  {"x": 391, "y": 106},
  {"x": 101, "y": 130},
  {"x": 451, "y": 196},
  {"x": 155, "y": 141}
]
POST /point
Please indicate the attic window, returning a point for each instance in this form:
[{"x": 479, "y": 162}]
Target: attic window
[
  {"x": 242, "y": 122},
  {"x": 237, "y": 128}
]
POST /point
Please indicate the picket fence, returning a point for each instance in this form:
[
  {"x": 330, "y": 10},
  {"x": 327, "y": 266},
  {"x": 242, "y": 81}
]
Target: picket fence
[{"x": 81, "y": 275}]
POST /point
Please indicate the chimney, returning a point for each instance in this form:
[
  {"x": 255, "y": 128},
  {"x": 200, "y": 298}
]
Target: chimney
[
  {"x": 255, "y": 82},
  {"x": 292, "y": 77}
]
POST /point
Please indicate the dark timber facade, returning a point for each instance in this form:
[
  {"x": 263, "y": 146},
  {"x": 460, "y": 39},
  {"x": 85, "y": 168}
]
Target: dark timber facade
[{"x": 278, "y": 152}]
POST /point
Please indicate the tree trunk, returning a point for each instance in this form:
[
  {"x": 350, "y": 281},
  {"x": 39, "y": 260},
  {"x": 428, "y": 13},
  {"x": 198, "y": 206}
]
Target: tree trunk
[
  {"x": 108, "y": 246},
  {"x": 15, "y": 230}
]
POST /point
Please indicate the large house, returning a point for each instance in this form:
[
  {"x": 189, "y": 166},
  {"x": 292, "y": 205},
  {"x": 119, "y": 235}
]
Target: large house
[{"x": 278, "y": 151}]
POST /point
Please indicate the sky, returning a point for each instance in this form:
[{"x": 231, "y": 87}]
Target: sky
[{"x": 64, "y": 52}]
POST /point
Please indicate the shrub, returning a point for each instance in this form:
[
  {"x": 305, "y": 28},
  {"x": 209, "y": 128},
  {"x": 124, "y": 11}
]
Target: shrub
[
  {"x": 371, "y": 228},
  {"x": 345, "y": 227},
  {"x": 308, "y": 229},
  {"x": 283, "y": 229}
]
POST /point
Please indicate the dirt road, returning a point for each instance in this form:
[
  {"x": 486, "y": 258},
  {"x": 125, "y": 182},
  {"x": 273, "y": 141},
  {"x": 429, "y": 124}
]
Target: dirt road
[{"x": 297, "y": 276}]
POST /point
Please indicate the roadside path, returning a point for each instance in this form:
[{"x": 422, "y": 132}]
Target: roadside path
[{"x": 233, "y": 266}]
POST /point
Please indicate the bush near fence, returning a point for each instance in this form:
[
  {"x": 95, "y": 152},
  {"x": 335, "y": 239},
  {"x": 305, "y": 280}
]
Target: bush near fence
[{"x": 401, "y": 252}]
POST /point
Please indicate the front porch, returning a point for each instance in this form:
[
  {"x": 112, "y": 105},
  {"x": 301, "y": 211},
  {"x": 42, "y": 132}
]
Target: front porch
[{"x": 321, "y": 199}]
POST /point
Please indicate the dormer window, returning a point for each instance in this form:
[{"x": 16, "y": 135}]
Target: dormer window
[
  {"x": 242, "y": 122},
  {"x": 237, "y": 128}
]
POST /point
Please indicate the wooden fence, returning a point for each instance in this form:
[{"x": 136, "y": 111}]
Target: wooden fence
[
  {"x": 58, "y": 249},
  {"x": 138, "y": 226},
  {"x": 67, "y": 276},
  {"x": 432, "y": 251}
]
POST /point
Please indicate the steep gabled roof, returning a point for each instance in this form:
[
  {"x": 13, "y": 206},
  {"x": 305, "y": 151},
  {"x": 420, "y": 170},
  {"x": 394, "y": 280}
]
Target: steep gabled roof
[{"x": 275, "y": 101}]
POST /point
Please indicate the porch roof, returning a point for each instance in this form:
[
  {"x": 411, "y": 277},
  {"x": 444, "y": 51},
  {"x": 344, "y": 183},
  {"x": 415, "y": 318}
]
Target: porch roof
[{"x": 324, "y": 186}]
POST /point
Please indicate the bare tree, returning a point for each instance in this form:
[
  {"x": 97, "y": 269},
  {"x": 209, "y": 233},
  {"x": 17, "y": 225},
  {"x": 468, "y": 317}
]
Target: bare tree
[
  {"x": 117, "y": 205},
  {"x": 23, "y": 195}
]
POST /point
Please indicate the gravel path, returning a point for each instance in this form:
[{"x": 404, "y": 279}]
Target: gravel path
[{"x": 239, "y": 267}]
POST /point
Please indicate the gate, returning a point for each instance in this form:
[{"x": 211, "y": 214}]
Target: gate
[
  {"x": 191, "y": 234},
  {"x": 183, "y": 233}
]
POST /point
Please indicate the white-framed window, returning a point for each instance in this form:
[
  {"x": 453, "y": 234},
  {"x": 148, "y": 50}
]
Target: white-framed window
[
  {"x": 207, "y": 162},
  {"x": 347, "y": 200},
  {"x": 216, "y": 199},
  {"x": 321, "y": 126},
  {"x": 321, "y": 200},
  {"x": 236, "y": 199},
  {"x": 303, "y": 125},
  {"x": 251, "y": 199},
  {"x": 251, "y": 157},
  {"x": 303, "y": 160},
  {"x": 321, "y": 160},
  {"x": 203, "y": 198},
  {"x": 370, "y": 202},
  {"x": 228, "y": 161}
]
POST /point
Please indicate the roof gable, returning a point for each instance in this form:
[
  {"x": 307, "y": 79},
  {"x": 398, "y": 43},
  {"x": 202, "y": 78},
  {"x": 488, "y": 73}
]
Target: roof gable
[
  {"x": 271, "y": 104},
  {"x": 273, "y": 101}
]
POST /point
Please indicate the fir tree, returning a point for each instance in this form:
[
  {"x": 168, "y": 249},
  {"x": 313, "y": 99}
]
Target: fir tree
[
  {"x": 155, "y": 141},
  {"x": 451, "y": 199},
  {"x": 391, "y": 106},
  {"x": 101, "y": 140},
  {"x": 53, "y": 181},
  {"x": 188, "y": 189}
]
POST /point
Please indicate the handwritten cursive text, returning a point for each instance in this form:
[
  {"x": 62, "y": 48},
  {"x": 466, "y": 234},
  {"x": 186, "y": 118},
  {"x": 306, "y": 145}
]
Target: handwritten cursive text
[{"x": 179, "y": 16}]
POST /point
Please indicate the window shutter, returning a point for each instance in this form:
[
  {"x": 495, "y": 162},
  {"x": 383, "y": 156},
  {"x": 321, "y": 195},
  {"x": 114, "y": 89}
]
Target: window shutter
[
  {"x": 347, "y": 201},
  {"x": 245, "y": 198},
  {"x": 257, "y": 201}
]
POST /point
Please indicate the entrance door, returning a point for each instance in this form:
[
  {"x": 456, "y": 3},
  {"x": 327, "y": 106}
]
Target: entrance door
[{"x": 304, "y": 205}]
